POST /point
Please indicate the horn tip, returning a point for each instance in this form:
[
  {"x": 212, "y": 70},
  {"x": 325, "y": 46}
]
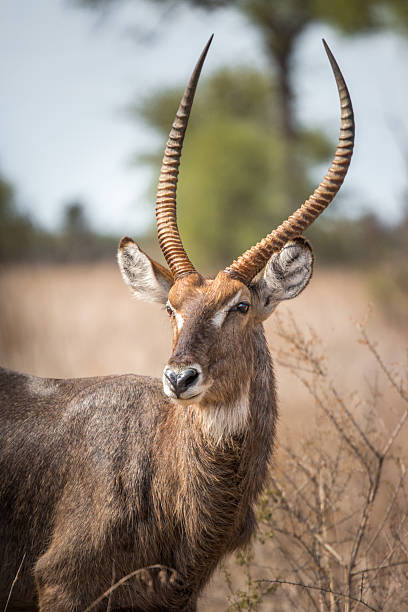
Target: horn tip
[
  {"x": 335, "y": 67},
  {"x": 207, "y": 46},
  {"x": 331, "y": 57},
  {"x": 327, "y": 48}
]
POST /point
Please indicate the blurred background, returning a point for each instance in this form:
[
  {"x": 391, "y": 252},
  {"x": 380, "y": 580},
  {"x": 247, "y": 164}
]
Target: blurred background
[
  {"x": 88, "y": 92},
  {"x": 90, "y": 88}
]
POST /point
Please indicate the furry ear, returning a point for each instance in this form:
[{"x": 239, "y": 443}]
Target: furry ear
[
  {"x": 285, "y": 276},
  {"x": 147, "y": 279}
]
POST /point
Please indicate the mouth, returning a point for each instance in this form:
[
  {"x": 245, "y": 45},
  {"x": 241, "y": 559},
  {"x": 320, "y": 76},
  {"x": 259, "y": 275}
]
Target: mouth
[
  {"x": 186, "y": 401},
  {"x": 181, "y": 399}
]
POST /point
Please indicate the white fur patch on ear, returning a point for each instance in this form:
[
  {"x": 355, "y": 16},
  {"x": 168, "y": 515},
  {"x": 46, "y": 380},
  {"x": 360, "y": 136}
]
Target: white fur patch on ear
[
  {"x": 147, "y": 279},
  {"x": 286, "y": 274}
]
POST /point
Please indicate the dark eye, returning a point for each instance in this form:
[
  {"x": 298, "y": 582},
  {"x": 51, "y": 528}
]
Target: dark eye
[
  {"x": 241, "y": 307},
  {"x": 169, "y": 310}
]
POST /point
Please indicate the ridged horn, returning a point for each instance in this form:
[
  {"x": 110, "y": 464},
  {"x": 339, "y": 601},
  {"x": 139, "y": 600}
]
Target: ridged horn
[
  {"x": 253, "y": 260},
  {"x": 166, "y": 216}
]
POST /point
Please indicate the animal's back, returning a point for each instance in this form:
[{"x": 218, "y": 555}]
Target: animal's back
[{"x": 54, "y": 436}]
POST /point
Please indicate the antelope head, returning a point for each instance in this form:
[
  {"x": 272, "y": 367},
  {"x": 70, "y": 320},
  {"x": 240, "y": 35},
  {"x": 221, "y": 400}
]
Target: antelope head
[{"x": 216, "y": 322}]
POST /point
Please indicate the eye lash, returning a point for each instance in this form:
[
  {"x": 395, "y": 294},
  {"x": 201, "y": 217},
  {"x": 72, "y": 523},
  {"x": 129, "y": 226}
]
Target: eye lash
[{"x": 241, "y": 307}]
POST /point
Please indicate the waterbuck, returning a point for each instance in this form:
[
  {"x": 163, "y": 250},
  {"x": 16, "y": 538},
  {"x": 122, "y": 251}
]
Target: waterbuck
[{"x": 103, "y": 476}]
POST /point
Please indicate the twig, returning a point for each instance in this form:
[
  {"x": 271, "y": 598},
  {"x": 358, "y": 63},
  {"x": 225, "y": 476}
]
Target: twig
[
  {"x": 353, "y": 421},
  {"x": 298, "y": 491},
  {"x": 380, "y": 567},
  {"x": 395, "y": 433},
  {"x": 367, "y": 508},
  {"x": 318, "y": 588},
  {"x": 297, "y": 570},
  {"x": 118, "y": 584},
  {"x": 109, "y": 604},
  {"x": 14, "y": 582},
  {"x": 303, "y": 520},
  {"x": 290, "y": 366},
  {"x": 388, "y": 511},
  {"x": 399, "y": 389},
  {"x": 299, "y": 464},
  {"x": 390, "y": 553},
  {"x": 322, "y": 500},
  {"x": 337, "y": 426}
]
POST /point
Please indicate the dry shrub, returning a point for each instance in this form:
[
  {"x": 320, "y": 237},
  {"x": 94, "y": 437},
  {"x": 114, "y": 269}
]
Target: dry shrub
[
  {"x": 389, "y": 287},
  {"x": 334, "y": 521}
]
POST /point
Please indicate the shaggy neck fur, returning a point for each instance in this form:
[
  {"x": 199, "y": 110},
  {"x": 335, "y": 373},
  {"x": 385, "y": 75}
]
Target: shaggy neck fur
[
  {"x": 221, "y": 422},
  {"x": 218, "y": 469}
]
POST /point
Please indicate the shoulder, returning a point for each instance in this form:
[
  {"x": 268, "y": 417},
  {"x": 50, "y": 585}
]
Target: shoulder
[{"x": 52, "y": 395}]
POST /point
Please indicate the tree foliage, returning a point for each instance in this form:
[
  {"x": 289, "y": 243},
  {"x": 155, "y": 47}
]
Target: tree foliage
[
  {"x": 15, "y": 227},
  {"x": 281, "y": 22},
  {"x": 247, "y": 129},
  {"x": 22, "y": 240}
]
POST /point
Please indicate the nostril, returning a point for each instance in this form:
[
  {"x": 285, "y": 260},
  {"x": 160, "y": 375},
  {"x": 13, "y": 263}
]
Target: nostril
[
  {"x": 186, "y": 378},
  {"x": 171, "y": 377}
]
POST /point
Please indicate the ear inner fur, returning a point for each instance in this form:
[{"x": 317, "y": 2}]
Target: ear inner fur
[{"x": 147, "y": 279}]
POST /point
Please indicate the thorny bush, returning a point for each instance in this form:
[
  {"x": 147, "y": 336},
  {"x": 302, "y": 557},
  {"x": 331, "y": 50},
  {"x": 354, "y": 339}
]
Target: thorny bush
[{"x": 334, "y": 521}]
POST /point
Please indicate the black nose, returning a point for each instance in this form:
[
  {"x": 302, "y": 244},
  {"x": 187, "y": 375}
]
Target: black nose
[{"x": 181, "y": 381}]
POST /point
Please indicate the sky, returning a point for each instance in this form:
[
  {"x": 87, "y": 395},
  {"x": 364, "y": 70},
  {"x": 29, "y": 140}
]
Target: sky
[{"x": 68, "y": 74}]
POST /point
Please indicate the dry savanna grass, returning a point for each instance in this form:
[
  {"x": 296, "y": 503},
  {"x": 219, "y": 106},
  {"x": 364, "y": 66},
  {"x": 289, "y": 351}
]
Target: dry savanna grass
[{"x": 79, "y": 320}]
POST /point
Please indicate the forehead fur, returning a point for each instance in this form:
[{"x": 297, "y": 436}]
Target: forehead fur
[{"x": 215, "y": 292}]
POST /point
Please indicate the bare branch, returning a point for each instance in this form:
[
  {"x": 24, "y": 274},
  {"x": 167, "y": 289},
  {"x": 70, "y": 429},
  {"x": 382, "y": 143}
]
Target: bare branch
[
  {"x": 395, "y": 433},
  {"x": 353, "y": 421},
  {"x": 107, "y": 593},
  {"x": 380, "y": 567},
  {"x": 398, "y": 387},
  {"x": 14, "y": 582},
  {"x": 337, "y": 425},
  {"x": 367, "y": 508},
  {"x": 388, "y": 511},
  {"x": 295, "y": 568},
  {"x": 317, "y": 588}
]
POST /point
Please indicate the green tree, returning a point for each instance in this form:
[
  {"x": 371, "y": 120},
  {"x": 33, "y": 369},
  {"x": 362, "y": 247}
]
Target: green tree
[
  {"x": 77, "y": 241},
  {"x": 74, "y": 219},
  {"x": 281, "y": 22},
  {"x": 16, "y": 229}
]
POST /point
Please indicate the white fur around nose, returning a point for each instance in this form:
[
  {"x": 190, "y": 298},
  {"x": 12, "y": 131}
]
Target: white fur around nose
[
  {"x": 220, "y": 422},
  {"x": 219, "y": 317}
]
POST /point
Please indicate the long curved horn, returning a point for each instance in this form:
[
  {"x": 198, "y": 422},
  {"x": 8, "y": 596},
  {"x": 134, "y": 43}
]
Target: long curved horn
[
  {"x": 168, "y": 232},
  {"x": 253, "y": 260}
]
